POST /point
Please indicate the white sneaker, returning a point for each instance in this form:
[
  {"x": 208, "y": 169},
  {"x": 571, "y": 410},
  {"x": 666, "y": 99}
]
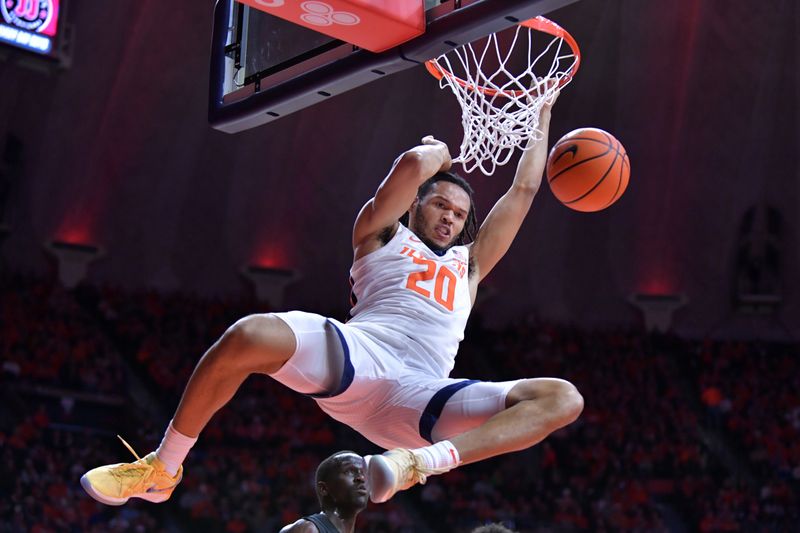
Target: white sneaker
[{"x": 396, "y": 470}]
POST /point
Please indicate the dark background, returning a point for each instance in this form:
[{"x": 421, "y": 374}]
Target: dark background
[{"x": 116, "y": 151}]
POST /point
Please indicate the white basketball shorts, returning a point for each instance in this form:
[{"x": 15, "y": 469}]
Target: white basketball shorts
[{"x": 360, "y": 380}]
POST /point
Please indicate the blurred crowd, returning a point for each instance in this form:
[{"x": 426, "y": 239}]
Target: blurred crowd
[
  {"x": 751, "y": 393},
  {"x": 676, "y": 434}
]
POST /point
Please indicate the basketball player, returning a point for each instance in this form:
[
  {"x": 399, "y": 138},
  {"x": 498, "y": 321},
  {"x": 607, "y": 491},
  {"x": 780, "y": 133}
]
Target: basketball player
[
  {"x": 385, "y": 372},
  {"x": 341, "y": 484}
]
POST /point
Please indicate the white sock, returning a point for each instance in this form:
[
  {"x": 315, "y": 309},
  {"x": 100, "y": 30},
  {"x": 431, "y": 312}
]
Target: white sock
[
  {"x": 174, "y": 448},
  {"x": 442, "y": 455}
]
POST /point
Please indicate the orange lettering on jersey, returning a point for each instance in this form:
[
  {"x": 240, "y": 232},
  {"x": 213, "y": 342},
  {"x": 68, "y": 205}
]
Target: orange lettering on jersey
[
  {"x": 410, "y": 252},
  {"x": 447, "y": 301},
  {"x": 460, "y": 266},
  {"x": 416, "y": 277},
  {"x": 445, "y": 279}
]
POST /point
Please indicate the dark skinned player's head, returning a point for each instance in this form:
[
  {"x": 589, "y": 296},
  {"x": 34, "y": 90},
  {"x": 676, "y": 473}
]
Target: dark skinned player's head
[{"x": 341, "y": 483}]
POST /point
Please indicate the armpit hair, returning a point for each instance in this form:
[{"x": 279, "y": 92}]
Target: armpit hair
[{"x": 385, "y": 235}]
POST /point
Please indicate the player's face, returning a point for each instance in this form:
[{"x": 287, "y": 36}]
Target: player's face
[
  {"x": 348, "y": 488},
  {"x": 439, "y": 217}
]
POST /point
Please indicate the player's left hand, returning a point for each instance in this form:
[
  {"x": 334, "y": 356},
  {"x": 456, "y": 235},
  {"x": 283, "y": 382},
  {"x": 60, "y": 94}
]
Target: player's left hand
[
  {"x": 547, "y": 86},
  {"x": 430, "y": 140}
]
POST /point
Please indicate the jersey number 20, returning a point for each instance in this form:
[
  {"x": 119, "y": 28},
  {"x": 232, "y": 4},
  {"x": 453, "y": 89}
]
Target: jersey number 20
[{"x": 444, "y": 277}]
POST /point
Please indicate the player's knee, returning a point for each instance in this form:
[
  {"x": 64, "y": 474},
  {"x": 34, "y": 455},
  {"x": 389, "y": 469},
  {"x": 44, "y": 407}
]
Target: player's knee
[
  {"x": 562, "y": 399},
  {"x": 570, "y": 401},
  {"x": 254, "y": 341},
  {"x": 248, "y": 330}
]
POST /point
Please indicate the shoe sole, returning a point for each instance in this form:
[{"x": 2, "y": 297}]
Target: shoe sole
[
  {"x": 381, "y": 479},
  {"x": 156, "y": 497}
]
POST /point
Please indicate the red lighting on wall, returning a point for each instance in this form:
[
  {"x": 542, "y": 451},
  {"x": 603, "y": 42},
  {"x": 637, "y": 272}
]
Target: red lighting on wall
[
  {"x": 271, "y": 255},
  {"x": 657, "y": 283},
  {"x": 75, "y": 232}
]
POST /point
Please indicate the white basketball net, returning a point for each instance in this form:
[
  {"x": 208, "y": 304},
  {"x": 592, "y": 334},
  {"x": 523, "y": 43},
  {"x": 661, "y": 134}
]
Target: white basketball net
[{"x": 500, "y": 109}]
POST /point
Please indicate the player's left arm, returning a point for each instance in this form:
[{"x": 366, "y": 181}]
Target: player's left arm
[{"x": 504, "y": 220}]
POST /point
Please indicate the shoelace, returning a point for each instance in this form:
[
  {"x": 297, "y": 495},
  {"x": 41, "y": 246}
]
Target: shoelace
[
  {"x": 130, "y": 448},
  {"x": 138, "y": 470},
  {"x": 414, "y": 471},
  {"x": 419, "y": 472}
]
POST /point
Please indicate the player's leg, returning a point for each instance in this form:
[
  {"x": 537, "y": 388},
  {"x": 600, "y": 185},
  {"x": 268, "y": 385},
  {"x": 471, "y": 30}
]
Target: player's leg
[
  {"x": 257, "y": 343},
  {"x": 300, "y": 350},
  {"x": 534, "y": 409},
  {"x": 471, "y": 421},
  {"x": 266, "y": 344}
]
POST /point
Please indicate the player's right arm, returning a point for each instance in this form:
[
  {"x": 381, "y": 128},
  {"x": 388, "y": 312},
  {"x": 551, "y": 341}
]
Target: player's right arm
[
  {"x": 301, "y": 526},
  {"x": 397, "y": 191}
]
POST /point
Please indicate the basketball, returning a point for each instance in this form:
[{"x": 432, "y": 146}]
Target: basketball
[{"x": 588, "y": 169}]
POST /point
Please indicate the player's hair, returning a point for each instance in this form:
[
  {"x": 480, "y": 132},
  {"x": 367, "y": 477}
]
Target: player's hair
[
  {"x": 492, "y": 528},
  {"x": 467, "y": 234},
  {"x": 327, "y": 468}
]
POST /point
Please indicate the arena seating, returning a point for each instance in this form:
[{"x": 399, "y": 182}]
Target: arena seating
[{"x": 640, "y": 458}]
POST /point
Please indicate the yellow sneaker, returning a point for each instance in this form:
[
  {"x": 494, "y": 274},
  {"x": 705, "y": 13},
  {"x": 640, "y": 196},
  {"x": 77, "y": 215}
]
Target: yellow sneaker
[
  {"x": 396, "y": 470},
  {"x": 144, "y": 478}
]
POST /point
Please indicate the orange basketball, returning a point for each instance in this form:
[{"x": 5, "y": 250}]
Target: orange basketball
[{"x": 588, "y": 169}]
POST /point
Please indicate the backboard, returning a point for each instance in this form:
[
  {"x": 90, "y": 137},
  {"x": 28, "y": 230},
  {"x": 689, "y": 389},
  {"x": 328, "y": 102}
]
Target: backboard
[{"x": 264, "y": 68}]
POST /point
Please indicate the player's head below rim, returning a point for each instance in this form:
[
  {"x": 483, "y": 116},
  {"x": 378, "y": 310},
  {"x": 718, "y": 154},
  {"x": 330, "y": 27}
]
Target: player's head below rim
[
  {"x": 443, "y": 213},
  {"x": 341, "y": 484}
]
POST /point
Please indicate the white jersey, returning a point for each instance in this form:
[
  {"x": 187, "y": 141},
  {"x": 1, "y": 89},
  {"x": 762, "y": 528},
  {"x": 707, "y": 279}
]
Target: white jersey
[{"x": 403, "y": 292}]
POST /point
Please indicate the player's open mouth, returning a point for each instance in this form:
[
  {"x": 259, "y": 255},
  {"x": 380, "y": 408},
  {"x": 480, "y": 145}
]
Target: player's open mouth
[{"x": 442, "y": 232}]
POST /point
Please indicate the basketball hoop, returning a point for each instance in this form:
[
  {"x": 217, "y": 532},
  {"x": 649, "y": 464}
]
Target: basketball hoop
[{"x": 500, "y": 109}]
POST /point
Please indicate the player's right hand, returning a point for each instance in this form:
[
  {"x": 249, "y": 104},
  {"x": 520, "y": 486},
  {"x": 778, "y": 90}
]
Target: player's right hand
[{"x": 447, "y": 160}]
